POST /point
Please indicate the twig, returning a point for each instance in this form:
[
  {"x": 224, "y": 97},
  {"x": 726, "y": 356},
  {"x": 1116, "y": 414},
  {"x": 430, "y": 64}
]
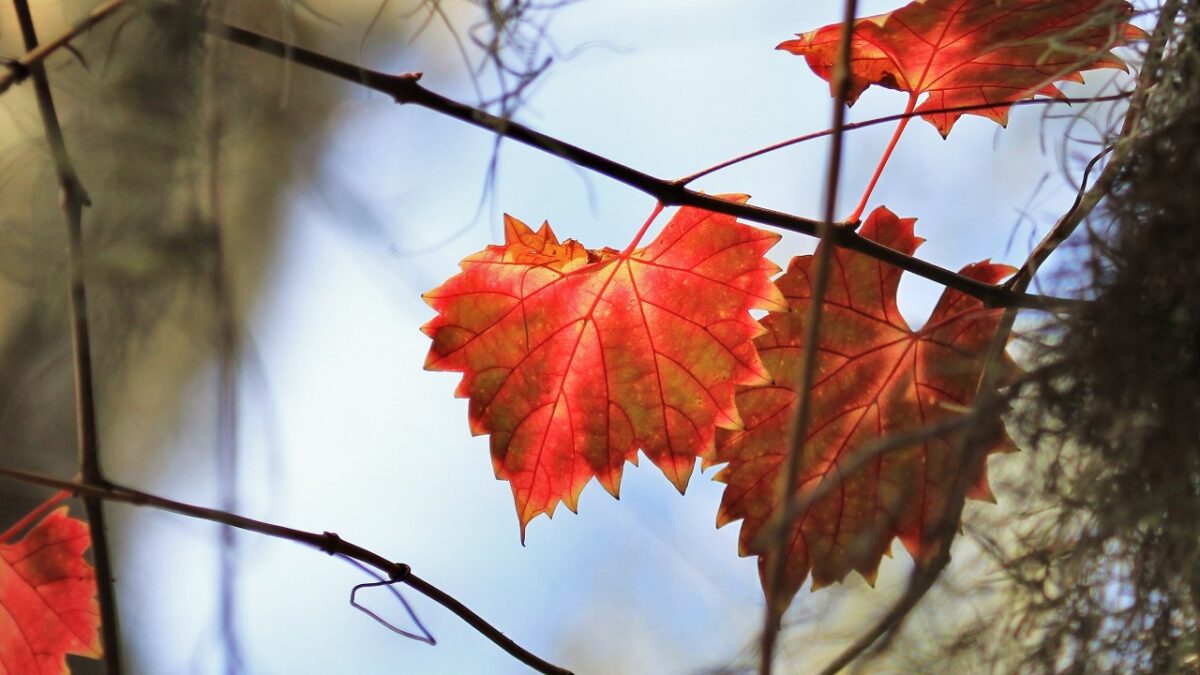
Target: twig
[
  {"x": 406, "y": 90},
  {"x": 19, "y": 70},
  {"x": 328, "y": 542},
  {"x": 777, "y": 546},
  {"x": 425, "y": 635},
  {"x": 73, "y": 199},
  {"x": 973, "y": 443},
  {"x": 850, "y": 126}
]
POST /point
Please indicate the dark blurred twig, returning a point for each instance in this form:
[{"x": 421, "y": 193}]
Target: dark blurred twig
[
  {"x": 73, "y": 198},
  {"x": 777, "y": 546},
  {"x": 227, "y": 340}
]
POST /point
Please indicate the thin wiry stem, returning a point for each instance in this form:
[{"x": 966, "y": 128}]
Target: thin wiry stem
[
  {"x": 1088, "y": 201},
  {"x": 778, "y": 546},
  {"x": 328, "y": 542},
  {"x": 73, "y": 199},
  {"x": 850, "y": 126},
  {"x": 405, "y": 89}
]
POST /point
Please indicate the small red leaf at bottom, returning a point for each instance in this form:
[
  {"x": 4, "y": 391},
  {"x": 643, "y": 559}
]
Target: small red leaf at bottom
[{"x": 48, "y": 603}]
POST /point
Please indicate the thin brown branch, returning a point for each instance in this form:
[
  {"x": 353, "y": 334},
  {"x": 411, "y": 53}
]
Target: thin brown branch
[
  {"x": 73, "y": 199},
  {"x": 850, "y": 126},
  {"x": 405, "y": 89},
  {"x": 778, "y": 546},
  {"x": 328, "y": 542},
  {"x": 21, "y": 69}
]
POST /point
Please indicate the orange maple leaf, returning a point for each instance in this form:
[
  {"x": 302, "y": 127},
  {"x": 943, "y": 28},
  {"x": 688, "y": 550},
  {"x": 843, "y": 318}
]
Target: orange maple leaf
[
  {"x": 875, "y": 377},
  {"x": 573, "y": 359},
  {"x": 48, "y": 603},
  {"x": 974, "y": 52}
]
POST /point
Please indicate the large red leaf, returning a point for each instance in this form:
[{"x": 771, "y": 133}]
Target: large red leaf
[
  {"x": 875, "y": 377},
  {"x": 974, "y": 52},
  {"x": 47, "y": 598},
  {"x": 573, "y": 359}
]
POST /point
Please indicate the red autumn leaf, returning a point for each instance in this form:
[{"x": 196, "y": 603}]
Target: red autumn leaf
[
  {"x": 974, "y": 52},
  {"x": 47, "y": 597},
  {"x": 875, "y": 377},
  {"x": 573, "y": 359}
]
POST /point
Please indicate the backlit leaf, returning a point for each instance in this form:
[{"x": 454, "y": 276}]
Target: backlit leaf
[
  {"x": 875, "y": 377},
  {"x": 574, "y": 359},
  {"x": 48, "y": 603},
  {"x": 974, "y": 52}
]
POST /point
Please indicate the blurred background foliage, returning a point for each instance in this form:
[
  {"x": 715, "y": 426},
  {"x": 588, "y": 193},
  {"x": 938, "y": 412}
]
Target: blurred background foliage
[{"x": 186, "y": 147}]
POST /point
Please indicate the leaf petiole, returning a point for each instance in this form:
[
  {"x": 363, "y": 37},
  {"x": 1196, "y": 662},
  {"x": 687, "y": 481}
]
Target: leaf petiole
[
  {"x": 637, "y": 238},
  {"x": 34, "y": 515},
  {"x": 887, "y": 154}
]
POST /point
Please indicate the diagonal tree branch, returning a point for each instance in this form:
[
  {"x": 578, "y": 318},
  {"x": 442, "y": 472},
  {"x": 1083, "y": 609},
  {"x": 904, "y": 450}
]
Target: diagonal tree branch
[
  {"x": 73, "y": 199},
  {"x": 405, "y": 89},
  {"x": 328, "y": 542}
]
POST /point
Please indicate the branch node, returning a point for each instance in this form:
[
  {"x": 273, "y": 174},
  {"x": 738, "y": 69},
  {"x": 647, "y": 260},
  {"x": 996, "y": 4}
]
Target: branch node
[
  {"x": 403, "y": 87},
  {"x": 332, "y": 542},
  {"x": 400, "y": 572}
]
